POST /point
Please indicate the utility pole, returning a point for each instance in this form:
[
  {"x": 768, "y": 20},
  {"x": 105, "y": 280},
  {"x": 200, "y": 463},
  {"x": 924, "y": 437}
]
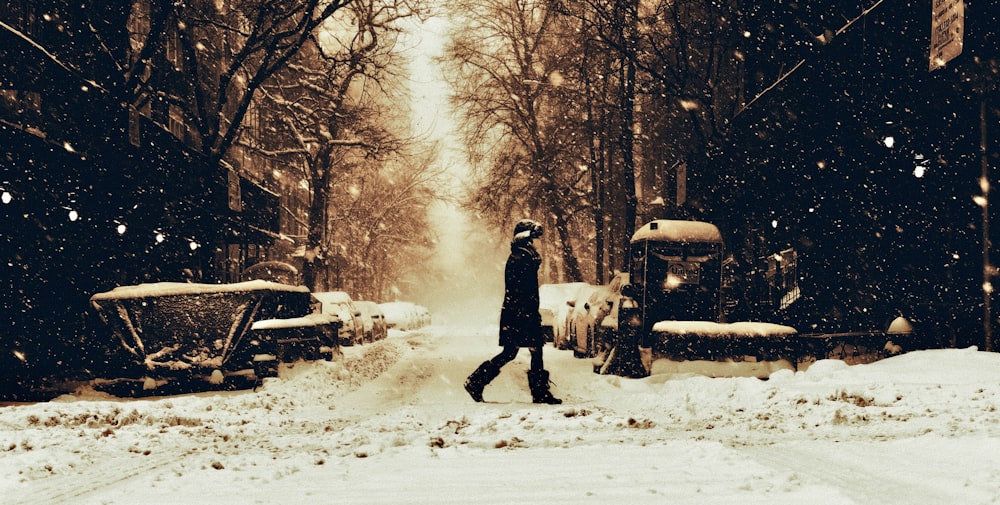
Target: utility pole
[{"x": 988, "y": 269}]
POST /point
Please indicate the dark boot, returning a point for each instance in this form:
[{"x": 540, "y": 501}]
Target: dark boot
[
  {"x": 480, "y": 378},
  {"x": 538, "y": 382}
]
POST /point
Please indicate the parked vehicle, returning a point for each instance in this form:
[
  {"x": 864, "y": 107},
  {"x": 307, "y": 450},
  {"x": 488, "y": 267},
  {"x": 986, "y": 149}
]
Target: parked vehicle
[
  {"x": 162, "y": 331},
  {"x": 672, "y": 307},
  {"x": 561, "y": 327},
  {"x": 294, "y": 338},
  {"x": 341, "y": 304},
  {"x": 399, "y": 315},
  {"x": 273, "y": 271},
  {"x": 373, "y": 319},
  {"x": 577, "y": 316},
  {"x": 551, "y": 298},
  {"x": 423, "y": 316},
  {"x": 591, "y": 325}
]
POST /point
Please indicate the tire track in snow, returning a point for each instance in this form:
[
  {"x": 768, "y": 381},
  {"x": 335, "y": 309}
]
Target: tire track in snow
[
  {"x": 97, "y": 476},
  {"x": 858, "y": 476}
]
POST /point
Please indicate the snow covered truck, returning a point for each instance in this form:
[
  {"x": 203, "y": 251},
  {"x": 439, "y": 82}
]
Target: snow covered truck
[
  {"x": 160, "y": 332},
  {"x": 670, "y": 316}
]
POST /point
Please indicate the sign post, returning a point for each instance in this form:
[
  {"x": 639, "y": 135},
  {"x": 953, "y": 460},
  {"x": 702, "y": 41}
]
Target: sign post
[{"x": 681, "y": 183}]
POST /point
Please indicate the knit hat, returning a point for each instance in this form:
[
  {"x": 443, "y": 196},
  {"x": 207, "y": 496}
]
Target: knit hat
[{"x": 526, "y": 228}]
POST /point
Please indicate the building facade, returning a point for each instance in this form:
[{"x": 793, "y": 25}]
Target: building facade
[{"x": 100, "y": 190}]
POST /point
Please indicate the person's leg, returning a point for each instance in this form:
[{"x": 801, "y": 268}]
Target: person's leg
[
  {"x": 488, "y": 371},
  {"x": 538, "y": 380},
  {"x": 536, "y": 358},
  {"x": 506, "y": 356}
]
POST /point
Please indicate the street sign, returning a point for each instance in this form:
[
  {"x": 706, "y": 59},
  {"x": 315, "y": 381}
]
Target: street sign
[{"x": 947, "y": 27}]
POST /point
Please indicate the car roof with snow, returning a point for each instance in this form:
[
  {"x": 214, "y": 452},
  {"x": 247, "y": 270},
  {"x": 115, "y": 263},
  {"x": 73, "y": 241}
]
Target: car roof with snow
[
  {"x": 333, "y": 297},
  {"x": 554, "y": 295},
  {"x": 186, "y": 288},
  {"x": 668, "y": 230},
  {"x": 368, "y": 307}
]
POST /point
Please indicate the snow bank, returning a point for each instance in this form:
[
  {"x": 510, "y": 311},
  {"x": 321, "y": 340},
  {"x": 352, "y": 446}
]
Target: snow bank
[{"x": 709, "y": 328}]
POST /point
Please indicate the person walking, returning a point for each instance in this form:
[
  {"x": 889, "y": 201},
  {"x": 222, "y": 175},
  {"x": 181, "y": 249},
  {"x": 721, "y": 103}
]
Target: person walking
[{"x": 520, "y": 321}]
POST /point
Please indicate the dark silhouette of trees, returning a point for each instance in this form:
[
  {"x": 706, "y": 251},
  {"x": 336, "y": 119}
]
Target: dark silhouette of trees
[{"x": 204, "y": 61}]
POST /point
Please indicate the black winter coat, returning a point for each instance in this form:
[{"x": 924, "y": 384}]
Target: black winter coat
[{"x": 520, "y": 322}]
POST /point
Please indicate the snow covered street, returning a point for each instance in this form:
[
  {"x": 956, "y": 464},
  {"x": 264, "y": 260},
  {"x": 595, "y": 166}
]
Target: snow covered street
[{"x": 390, "y": 423}]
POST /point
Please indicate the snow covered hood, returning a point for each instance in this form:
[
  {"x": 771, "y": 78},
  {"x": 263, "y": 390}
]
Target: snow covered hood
[
  {"x": 295, "y": 322},
  {"x": 552, "y": 296}
]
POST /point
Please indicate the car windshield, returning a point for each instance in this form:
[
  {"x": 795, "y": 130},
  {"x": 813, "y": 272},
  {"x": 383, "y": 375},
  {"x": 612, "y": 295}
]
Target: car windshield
[{"x": 672, "y": 264}]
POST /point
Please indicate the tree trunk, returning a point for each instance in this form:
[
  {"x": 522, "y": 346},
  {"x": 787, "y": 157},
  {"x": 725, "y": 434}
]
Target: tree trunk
[
  {"x": 315, "y": 260},
  {"x": 571, "y": 267},
  {"x": 627, "y": 134}
]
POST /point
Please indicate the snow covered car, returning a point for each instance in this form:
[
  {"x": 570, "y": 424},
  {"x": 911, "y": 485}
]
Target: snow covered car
[
  {"x": 578, "y": 309},
  {"x": 173, "y": 329},
  {"x": 423, "y": 316},
  {"x": 340, "y": 304},
  {"x": 561, "y": 328},
  {"x": 274, "y": 271},
  {"x": 589, "y": 326},
  {"x": 373, "y": 320},
  {"x": 293, "y": 338},
  {"x": 551, "y": 298},
  {"x": 401, "y": 315}
]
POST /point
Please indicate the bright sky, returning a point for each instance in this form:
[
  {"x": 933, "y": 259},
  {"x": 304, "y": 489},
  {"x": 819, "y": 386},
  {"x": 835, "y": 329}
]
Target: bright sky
[{"x": 468, "y": 271}]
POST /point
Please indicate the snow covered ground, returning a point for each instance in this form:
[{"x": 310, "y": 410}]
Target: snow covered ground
[{"x": 390, "y": 423}]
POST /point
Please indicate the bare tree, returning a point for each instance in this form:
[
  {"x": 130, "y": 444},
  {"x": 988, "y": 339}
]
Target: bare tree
[
  {"x": 513, "y": 84},
  {"x": 332, "y": 125},
  {"x": 391, "y": 218},
  {"x": 217, "y": 55}
]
